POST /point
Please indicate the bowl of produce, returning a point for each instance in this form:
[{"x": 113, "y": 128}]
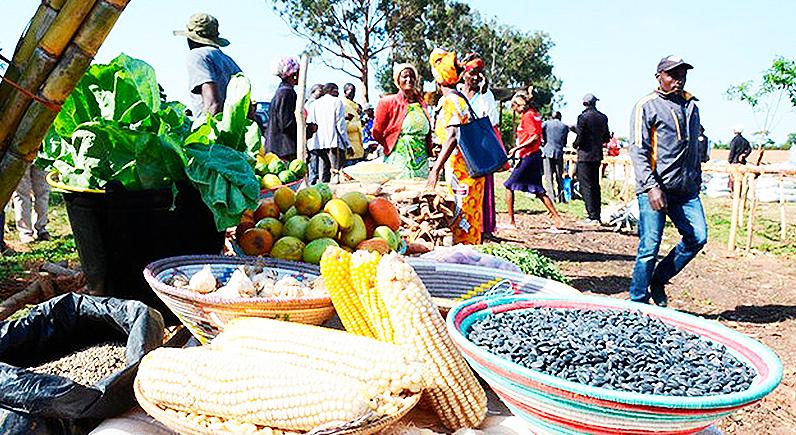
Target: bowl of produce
[
  {"x": 207, "y": 291},
  {"x": 583, "y": 364},
  {"x": 372, "y": 172}
]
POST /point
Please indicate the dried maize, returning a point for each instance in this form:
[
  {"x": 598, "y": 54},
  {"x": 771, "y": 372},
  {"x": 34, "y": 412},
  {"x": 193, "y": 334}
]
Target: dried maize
[
  {"x": 456, "y": 396},
  {"x": 247, "y": 390},
  {"x": 337, "y": 278},
  {"x": 363, "y": 276},
  {"x": 375, "y": 366}
]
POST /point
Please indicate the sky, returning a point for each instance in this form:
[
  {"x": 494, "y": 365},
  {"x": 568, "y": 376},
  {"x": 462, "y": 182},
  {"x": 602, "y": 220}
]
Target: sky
[{"x": 609, "y": 48}]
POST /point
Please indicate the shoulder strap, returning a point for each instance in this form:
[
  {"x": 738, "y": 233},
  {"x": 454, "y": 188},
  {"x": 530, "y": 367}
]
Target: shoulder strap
[{"x": 472, "y": 112}]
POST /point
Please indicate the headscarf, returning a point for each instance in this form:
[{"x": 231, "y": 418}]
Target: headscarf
[
  {"x": 473, "y": 61},
  {"x": 284, "y": 66},
  {"x": 398, "y": 68},
  {"x": 444, "y": 67}
]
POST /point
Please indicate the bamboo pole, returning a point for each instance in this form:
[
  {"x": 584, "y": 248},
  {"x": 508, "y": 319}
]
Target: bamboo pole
[
  {"x": 301, "y": 119},
  {"x": 736, "y": 202},
  {"x": 39, "y": 24},
  {"x": 32, "y": 127},
  {"x": 39, "y": 67},
  {"x": 750, "y": 228},
  {"x": 783, "y": 224},
  {"x": 65, "y": 26}
]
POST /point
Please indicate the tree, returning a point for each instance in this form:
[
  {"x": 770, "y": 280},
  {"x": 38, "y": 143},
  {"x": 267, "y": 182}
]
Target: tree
[
  {"x": 351, "y": 32},
  {"x": 513, "y": 58},
  {"x": 766, "y": 98}
]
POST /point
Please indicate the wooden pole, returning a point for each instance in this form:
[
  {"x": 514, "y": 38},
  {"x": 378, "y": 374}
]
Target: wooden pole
[
  {"x": 783, "y": 224},
  {"x": 744, "y": 193},
  {"x": 736, "y": 202},
  {"x": 301, "y": 119},
  {"x": 750, "y": 228}
]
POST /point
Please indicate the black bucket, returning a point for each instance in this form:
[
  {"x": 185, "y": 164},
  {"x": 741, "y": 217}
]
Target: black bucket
[{"x": 118, "y": 233}]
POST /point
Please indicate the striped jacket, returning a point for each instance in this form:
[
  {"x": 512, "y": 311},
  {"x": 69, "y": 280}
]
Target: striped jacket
[{"x": 663, "y": 143}]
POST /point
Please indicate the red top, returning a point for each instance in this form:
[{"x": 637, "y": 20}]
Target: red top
[
  {"x": 530, "y": 124},
  {"x": 389, "y": 119}
]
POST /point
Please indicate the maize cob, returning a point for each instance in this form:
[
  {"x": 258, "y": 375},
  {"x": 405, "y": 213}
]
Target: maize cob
[
  {"x": 363, "y": 276},
  {"x": 375, "y": 366},
  {"x": 337, "y": 278},
  {"x": 456, "y": 397},
  {"x": 246, "y": 390}
]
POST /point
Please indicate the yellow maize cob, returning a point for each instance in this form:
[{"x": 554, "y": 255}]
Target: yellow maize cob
[
  {"x": 363, "y": 277},
  {"x": 246, "y": 389},
  {"x": 456, "y": 395},
  {"x": 375, "y": 366},
  {"x": 335, "y": 263}
]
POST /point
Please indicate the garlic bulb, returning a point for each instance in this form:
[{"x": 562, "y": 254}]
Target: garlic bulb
[{"x": 203, "y": 281}]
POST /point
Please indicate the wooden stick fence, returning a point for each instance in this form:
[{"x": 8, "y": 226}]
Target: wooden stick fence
[{"x": 744, "y": 180}]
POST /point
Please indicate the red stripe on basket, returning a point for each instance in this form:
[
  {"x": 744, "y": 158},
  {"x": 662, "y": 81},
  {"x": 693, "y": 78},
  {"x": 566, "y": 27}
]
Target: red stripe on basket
[
  {"x": 591, "y": 429},
  {"x": 529, "y": 383},
  {"x": 467, "y": 311}
]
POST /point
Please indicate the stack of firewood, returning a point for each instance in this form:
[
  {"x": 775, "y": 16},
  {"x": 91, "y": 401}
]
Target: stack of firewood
[{"x": 427, "y": 216}]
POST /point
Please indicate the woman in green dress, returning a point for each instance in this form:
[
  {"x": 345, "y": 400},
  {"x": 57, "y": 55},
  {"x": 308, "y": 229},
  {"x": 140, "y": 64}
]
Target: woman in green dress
[{"x": 401, "y": 125}]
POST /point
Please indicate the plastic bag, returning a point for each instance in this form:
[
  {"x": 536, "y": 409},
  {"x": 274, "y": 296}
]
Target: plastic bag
[
  {"x": 464, "y": 254},
  {"x": 35, "y": 403}
]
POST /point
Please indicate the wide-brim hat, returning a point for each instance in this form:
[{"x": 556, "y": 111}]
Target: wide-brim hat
[{"x": 203, "y": 28}]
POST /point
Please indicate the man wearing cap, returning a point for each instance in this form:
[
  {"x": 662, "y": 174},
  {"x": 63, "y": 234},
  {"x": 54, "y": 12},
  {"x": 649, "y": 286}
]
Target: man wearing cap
[
  {"x": 209, "y": 69},
  {"x": 593, "y": 133},
  {"x": 664, "y": 132}
]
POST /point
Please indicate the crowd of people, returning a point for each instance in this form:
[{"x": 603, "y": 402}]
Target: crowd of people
[{"x": 667, "y": 145}]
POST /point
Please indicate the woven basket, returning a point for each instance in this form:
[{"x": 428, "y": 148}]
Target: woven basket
[
  {"x": 450, "y": 284},
  {"x": 188, "y": 427},
  {"x": 269, "y": 193},
  {"x": 206, "y": 316},
  {"x": 554, "y": 405}
]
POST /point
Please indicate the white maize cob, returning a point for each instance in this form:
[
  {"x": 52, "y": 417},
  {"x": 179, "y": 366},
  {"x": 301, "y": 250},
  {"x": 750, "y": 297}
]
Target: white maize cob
[
  {"x": 247, "y": 389},
  {"x": 457, "y": 397},
  {"x": 377, "y": 367}
]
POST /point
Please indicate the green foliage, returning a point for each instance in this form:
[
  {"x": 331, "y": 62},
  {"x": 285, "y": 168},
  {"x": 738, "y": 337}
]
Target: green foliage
[
  {"x": 114, "y": 127},
  {"x": 778, "y": 82},
  {"x": 352, "y": 32},
  {"x": 528, "y": 260},
  {"x": 513, "y": 58}
]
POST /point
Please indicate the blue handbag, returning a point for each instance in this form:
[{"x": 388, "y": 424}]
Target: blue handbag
[{"x": 482, "y": 151}]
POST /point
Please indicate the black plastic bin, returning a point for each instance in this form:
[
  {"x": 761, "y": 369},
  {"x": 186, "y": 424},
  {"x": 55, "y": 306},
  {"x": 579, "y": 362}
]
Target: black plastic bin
[{"x": 118, "y": 233}]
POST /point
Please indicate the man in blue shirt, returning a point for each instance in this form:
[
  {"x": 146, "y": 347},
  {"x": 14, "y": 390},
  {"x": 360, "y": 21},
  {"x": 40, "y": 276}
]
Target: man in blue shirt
[{"x": 554, "y": 136}]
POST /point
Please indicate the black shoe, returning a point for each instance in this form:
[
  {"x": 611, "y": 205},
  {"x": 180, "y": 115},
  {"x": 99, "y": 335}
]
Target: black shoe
[
  {"x": 661, "y": 300},
  {"x": 5, "y": 250}
]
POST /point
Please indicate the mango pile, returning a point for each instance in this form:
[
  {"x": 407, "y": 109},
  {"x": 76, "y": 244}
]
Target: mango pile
[
  {"x": 299, "y": 226},
  {"x": 272, "y": 172}
]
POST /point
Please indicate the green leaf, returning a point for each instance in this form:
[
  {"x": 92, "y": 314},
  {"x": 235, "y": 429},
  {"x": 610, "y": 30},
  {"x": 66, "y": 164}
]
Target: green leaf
[{"x": 225, "y": 179}]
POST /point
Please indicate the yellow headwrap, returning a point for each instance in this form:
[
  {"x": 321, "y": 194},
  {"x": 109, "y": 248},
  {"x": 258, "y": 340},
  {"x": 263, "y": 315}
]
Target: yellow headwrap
[{"x": 444, "y": 67}]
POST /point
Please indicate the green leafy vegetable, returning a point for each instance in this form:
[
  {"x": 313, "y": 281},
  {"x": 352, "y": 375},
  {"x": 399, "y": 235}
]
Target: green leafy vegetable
[
  {"x": 114, "y": 127},
  {"x": 528, "y": 260}
]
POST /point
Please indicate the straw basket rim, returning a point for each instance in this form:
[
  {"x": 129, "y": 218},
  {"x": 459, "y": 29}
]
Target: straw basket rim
[
  {"x": 758, "y": 389},
  {"x": 155, "y": 268},
  {"x": 185, "y": 427}
]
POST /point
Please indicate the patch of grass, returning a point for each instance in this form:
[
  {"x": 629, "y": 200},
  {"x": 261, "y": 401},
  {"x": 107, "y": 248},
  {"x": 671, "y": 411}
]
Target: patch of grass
[{"x": 61, "y": 247}]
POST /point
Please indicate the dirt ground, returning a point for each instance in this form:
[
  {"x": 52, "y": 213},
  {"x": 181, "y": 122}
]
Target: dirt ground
[{"x": 753, "y": 294}]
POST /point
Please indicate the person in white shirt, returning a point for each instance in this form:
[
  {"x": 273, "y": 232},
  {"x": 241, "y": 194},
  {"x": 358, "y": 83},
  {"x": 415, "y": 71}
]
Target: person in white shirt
[{"x": 328, "y": 113}]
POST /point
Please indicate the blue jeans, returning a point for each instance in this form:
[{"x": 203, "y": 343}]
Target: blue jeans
[{"x": 688, "y": 217}]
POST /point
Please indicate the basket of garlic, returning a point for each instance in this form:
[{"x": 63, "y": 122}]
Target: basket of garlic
[{"x": 207, "y": 291}]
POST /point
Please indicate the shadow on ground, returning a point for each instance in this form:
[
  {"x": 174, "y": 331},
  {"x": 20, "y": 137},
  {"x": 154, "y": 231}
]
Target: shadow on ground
[
  {"x": 583, "y": 256},
  {"x": 601, "y": 285},
  {"x": 771, "y": 313}
]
